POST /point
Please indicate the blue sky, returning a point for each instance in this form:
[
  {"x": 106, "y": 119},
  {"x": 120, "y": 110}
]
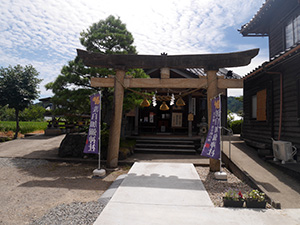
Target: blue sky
[{"x": 46, "y": 34}]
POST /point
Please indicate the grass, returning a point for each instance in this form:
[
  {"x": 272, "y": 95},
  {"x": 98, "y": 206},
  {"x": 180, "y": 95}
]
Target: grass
[{"x": 25, "y": 127}]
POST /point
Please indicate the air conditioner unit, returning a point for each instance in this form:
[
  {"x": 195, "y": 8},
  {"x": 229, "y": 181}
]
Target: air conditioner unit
[{"x": 284, "y": 151}]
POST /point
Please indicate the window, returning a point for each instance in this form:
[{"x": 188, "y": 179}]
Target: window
[
  {"x": 259, "y": 105},
  {"x": 292, "y": 32}
]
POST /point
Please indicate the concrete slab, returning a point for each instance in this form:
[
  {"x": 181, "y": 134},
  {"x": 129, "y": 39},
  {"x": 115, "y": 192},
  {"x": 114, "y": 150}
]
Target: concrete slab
[
  {"x": 171, "y": 193},
  {"x": 152, "y": 186},
  {"x": 166, "y": 158},
  {"x": 163, "y": 183},
  {"x": 134, "y": 214}
]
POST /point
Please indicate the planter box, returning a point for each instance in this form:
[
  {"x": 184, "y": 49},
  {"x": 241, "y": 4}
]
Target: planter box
[
  {"x": 255, "y": 204},
  {"x": 231, "y": 203}
]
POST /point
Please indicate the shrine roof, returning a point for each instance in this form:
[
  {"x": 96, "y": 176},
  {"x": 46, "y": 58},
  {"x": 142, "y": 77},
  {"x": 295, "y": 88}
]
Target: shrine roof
[{"x": 192, "y": 73}]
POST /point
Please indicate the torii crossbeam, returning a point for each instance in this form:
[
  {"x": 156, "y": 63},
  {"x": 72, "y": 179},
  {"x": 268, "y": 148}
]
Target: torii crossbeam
[{"x": 210, "y": 62}]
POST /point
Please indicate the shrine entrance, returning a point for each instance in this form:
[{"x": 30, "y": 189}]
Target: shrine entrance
[{"x": 212, "y": 83}]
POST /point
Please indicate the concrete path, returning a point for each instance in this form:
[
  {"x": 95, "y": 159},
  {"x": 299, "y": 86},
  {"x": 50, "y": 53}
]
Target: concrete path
[
  {"x": 280, "y": 187},
  {"x": 34, "y": 147},
  {"x": 172, "y": 193}
]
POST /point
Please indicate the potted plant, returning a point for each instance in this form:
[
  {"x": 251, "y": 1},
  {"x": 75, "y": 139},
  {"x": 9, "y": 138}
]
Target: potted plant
[
  {"x": 255, "y": 199},
  {"x": 233, "y": 198}
]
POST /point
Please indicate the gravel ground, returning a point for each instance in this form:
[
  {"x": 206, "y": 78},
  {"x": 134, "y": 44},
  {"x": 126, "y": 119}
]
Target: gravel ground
[
  {"x": 74, "y": 213},
  {"x": 217, "y": 188},
  {"x": 64, "y": 205},
  {"x": 64, "y": 192},
  {"x": 87, "y": 213}
]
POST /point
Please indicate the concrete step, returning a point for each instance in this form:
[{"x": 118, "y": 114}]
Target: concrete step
[
  {"x": 164, "y": 141},
  {"x": 157, "y": 145},
  {"x": 165, "y": 151}
]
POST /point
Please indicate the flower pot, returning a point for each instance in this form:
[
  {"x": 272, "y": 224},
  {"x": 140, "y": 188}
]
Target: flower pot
[
  {"x": 232, "y": 203},
  {"x": 255, "y": 204}
]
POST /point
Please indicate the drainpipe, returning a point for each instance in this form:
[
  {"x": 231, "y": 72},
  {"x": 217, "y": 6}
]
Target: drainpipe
[{"x": 281, "y": 102}]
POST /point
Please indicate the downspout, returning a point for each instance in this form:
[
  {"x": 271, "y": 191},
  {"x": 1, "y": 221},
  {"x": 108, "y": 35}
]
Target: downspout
[{"x": 281, "y": 103}]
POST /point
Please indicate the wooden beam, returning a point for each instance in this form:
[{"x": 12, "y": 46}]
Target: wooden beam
[
  {"x": 229, "y": 83},
  {"x": 207, "y": 61},
  {"x": 169, "y": 83},
  {"x": 152, "y": 82},
  {"x": 102, "y": 82}
]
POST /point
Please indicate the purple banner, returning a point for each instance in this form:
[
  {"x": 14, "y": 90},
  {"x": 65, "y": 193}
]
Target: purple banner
[
  {"x": 211, "y": 146},
  {"x": 92, "y": 141}
]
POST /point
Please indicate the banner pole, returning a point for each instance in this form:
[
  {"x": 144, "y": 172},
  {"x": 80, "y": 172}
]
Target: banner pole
[
  {"x": 220, "y": 175},
  {"x": 99, "y": 172},
  {"x": 220, "y": 130},
  {"x": 99, "y": 147}
]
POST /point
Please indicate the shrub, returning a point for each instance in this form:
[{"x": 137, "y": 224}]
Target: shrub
[
  {"x": 33, "y": 113},
  {"x": 25, "y": 127},
  {"x": 236, "y": 126}
]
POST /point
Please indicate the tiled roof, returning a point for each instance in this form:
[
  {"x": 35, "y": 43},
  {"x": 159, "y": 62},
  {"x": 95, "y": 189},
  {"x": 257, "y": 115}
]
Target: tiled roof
[
  {"x": 196, "y": 72},
  {"x": 221, "y": 72},
  {"x": 284, "y": 55}
]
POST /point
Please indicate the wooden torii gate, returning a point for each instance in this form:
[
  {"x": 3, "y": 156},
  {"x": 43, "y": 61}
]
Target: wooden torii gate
[{"x": 210, "y": 62}]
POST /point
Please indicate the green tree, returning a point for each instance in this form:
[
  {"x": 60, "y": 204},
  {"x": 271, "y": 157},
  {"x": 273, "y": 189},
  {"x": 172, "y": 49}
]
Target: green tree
[
  {"x": 7, "y": 114},
  {"x": 33, "y": 113},
  {"x": 72, "y": 87},
  {"x": 108, "y": 36},
  {"x": 18, "y": 87},
  {"x": 235, "y": 104}
]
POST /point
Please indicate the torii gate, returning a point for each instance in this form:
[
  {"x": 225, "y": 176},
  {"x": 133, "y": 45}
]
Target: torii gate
[{"x": 210, "y": 62}]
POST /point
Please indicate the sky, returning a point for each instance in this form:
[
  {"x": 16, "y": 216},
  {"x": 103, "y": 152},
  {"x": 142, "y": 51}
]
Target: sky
[{"x": 45, "y": 34}]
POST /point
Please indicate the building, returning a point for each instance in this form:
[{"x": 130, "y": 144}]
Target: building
[
  {"x": 272, "y": 91},
  {"x": 175, "y": 120}
]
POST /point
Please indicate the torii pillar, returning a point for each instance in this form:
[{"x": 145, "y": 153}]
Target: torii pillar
[
  {"x": 116, "y": 120},
  {"x": 212, "y": 63},
  {"x": 212, "y": 91}
]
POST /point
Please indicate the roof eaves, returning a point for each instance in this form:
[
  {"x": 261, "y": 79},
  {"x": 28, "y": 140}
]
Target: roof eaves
[
  {"x": 275, "y": 60},
  {"x": 256, "y": 18}
]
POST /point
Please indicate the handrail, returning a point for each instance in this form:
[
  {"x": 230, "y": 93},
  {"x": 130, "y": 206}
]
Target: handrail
[{"x": 230, "y": 134}]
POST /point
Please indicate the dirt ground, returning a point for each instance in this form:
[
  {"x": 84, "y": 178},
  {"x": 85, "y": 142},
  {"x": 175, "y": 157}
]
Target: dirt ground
[{"x": 28, "y": 191}]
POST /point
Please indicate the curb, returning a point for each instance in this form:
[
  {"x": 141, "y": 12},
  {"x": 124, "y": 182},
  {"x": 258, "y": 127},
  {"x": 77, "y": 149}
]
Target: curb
[{"x": 108, "y": 194}]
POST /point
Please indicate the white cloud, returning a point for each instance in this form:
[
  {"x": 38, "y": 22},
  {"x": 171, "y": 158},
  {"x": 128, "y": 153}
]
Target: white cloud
[{"x": 46, "y": 33}]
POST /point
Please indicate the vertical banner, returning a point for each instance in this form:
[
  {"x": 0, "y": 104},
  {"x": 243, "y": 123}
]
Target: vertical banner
[
  {"x": 92, "y": 141},
  {"x": 211, "y": 146}
]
